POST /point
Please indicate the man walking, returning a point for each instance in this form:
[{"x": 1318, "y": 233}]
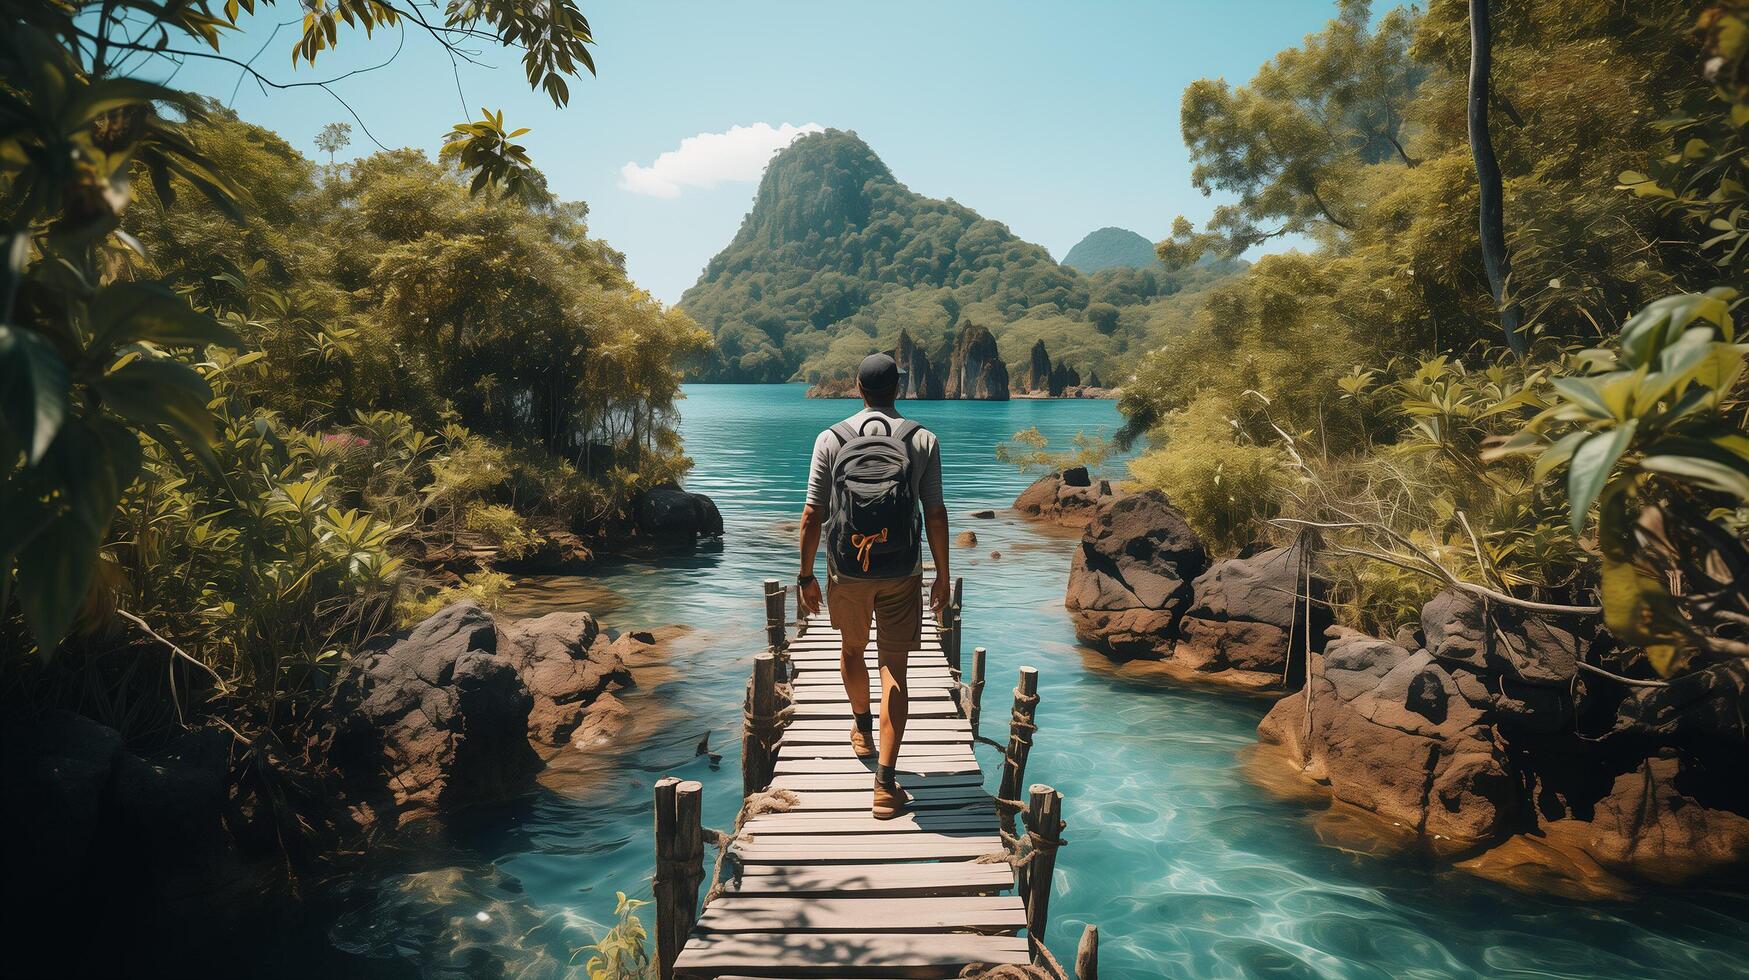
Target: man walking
[{"x": 871, "y": 474}]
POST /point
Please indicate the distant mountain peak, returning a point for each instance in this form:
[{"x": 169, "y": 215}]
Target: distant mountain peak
[{"x": 1112, "y": 248}]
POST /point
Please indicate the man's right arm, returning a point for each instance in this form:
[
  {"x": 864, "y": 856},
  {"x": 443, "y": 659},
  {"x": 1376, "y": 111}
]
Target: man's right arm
[{"x": 813, "y": 515}]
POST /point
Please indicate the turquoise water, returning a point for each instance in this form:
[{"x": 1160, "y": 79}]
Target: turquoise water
[{"x": 1188, "y": 870}]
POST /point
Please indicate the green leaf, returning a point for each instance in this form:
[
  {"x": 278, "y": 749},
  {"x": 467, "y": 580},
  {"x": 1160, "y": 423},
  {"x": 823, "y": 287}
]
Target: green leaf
[
  {"x": 125, "y": 312},
  {"x": 1593, "y": 460},
  {"x": 33, "y": 388},
  {"x": 1708, "y": 473},
  {"x": 1587, "y": 393},
  {"x": 157, "y": 393},
  {"x": 1557, "y": 455},
  {"x": 53, "y": 576}
]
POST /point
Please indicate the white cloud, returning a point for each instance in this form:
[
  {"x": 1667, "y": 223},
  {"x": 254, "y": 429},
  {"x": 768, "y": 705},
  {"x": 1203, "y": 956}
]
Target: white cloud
[{"x": 709, "y": 159}]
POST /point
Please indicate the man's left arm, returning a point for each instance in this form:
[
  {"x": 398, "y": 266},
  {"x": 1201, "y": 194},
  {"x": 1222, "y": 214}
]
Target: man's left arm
[{"x": 935, "y": 523}]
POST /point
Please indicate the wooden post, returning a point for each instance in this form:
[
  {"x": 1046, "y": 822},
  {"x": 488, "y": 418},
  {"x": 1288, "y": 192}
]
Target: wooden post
[
  {"x": 756, "y": 753},
  {"x": 1087, "y": 954},
  {"x": 974, "y": 709},
  {"x": 1044, "y": 818},
  {"x": 1020, "y": 733},
  {"x": 679, "y": 866},
  {"x": 950, "y": 630},
  {"x": 774, "y": 631}
]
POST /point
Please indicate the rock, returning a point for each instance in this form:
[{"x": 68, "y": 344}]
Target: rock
[
  {"x": 1038, "y": 369},
  {"x": 1522, "y": 666},
  {"x": 1245, "y": 617},
  {"x": 841, "y": 387},
  {"x": 1391, "y": 733},
  {"x": 1070, "y": 498},
  {"x": 566, "y": 664},
  {"x": 996, "y": 555},
  {"x": 976, "y": 369},
  {"x": 1701, "y": 709},
  {"x": 966, "y": 539},
  {"x": 982, "y": 515},
  {"x": 668, "y": 513},
  {"x": 922, "y": 380},
  {"x": 55, "y": 773},
  {"x": 1063, "y": 377},
  {"x": 1129, "y": 581},
  {"x": 433, "y": 721},
  {"x": 602, "y": 723},
  {"x": 1651, "y": 827}
]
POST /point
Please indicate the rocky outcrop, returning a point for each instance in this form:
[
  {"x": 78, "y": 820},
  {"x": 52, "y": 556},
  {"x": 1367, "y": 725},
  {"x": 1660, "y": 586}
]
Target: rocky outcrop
[
  {"x": 1093, "y": 380},
  {"x": 975, "y": 369},
  {"x": 1476, "y": 727},
  {"x": 1391, "y": 732},
  {"x": 1247, "y": 624},
  {"x": 1129, "y": 580},
  {"x": 921, "y": 380},
  {"x": 666, "y": 513},
  {"x": 1038, "y": 369},
  {"x": 567, "y": 665},
  {"x": 1070, "y": 497},
  {"x": 433, "y": 721},
  {"x": 1062, "y": 378}
]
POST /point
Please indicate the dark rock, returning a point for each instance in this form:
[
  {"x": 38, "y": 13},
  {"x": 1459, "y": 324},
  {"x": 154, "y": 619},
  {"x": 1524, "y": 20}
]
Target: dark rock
[
  {"x": 1129, "y": 581},
  {"x": 1524, "y": 647},
  {"x": 982, "y": 515},
  {"x": 1038, "y": 369},
  {"x": 56, "y": 772},
  {"x": 1391, "y": 733},
  {"x": 668, "y": 513},
  {"x": 1246, "y": 616},
  {"x": 566, "y": 664},
  {"x": 922, "y": 380},
  {"x": 996, "y": 555},
  {"x": 434, "y": 721},
  {"x": 1077, "y": 476},
  {"x": 1093, "y": 380},
  {"x": 976, "y": 369},
  {"x": 1063, "y": 377},
  {"x": 1703, "y": 709}
]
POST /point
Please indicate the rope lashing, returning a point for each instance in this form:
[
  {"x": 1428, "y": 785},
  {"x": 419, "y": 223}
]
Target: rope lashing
[
  {"x": 965, "y": 699},
  {"x": 864, "y": 545},
  {"x": 755, "y": 805},
  {"x": 1006, "y": 971},
  {"x": 769, "y": 728},
  {"x": 1018, "y": 851},
  {"x": 1021, "y": 717}
]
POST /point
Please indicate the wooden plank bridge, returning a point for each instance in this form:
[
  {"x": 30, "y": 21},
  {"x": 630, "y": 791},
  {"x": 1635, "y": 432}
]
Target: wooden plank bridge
[{"x": 813, "y": 885}]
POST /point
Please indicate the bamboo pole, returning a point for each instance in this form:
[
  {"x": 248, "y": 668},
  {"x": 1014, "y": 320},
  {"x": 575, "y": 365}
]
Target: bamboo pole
[
  {"x": 756, "y": 751},
  {"x": 1044, "y": 820},
  {"x": 774, "y": 631},
  {"x": 1020, "y": 731},
  {"x": 1087, "y": 954},
  {"x": 976, "y": 707}
]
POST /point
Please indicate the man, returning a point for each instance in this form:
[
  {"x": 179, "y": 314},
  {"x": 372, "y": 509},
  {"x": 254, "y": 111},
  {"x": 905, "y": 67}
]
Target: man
[{"x": 871, "y": 473}]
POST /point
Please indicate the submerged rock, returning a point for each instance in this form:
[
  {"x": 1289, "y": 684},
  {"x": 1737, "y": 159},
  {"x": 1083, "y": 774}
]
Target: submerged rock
[
  {"x": 1129, "y": 581},
  {"x": 966, "y": 539},
  {"x": 1070, "y": 497},
  {"x": 670, "y": 514}
]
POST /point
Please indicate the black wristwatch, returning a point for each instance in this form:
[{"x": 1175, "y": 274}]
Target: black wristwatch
[{"x": 804, "y": 579}]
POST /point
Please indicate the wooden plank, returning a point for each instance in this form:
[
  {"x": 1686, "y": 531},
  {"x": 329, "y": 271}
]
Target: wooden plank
[
  {"x": 841, "y": 709},
  {"x": 934, "y": 752},
  {"x": 935, "y": 878},
  {"x": 804, "y": 849},
  {"x": 861, "y": 781},
  {"x": 971, "y": 913},
  {"x": 917, "y": 724},
  {"x": 847, "y": 954},
  {"x": 838, "y": 824},
  {"x": 859, "y": 801},
  {"x": 835, "y": 736},
  {"x": 923, "y": 765}
]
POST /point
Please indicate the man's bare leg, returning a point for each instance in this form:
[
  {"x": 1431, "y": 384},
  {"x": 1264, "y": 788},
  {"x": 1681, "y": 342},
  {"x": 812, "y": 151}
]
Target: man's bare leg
[
  {"x": 895, "y": 705},
  {"x": 853, "y": 668}
]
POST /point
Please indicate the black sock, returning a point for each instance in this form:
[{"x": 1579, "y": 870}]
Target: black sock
[
  {"x": 885, "y": 776},
  {"x": 865, "y": 722}
]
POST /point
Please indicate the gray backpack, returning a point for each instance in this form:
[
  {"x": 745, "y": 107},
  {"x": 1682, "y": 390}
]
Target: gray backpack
[{"x": 875, "y": 529}]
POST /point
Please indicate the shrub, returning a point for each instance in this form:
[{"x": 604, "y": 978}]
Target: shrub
[{"x": 1227, "y": 486}]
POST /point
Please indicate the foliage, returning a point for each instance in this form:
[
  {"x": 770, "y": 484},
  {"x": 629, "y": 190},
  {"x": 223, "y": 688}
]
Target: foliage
[
  {"x": 1111, "y": 248},
  {"x": 503, "y": 528},
  {"x": 485, "y": 589},
  {"x": 837, "y": 257},
  {"x": 333, "y": 138},
  {"x": 621, "y": 954},
  {"x": 1642, "y": 431},
  {"x": 1030, "y": 450},
  {"x": 1228, "y": 484}
]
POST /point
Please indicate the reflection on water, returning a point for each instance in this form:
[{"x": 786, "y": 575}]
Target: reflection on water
[{"x": 1188, "y": 868}]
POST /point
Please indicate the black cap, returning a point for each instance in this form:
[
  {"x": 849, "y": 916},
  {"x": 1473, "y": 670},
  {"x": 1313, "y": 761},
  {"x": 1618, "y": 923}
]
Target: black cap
[{"x": 879, "y": 374}]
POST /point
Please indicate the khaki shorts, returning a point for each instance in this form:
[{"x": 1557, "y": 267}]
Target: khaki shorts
[{"x": 895, "y": 605}]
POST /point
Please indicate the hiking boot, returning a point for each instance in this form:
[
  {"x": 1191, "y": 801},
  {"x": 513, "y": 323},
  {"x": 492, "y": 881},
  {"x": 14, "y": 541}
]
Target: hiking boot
[
  {"x": 889, "y": 800},
  {"x": 862, "y": 745}
]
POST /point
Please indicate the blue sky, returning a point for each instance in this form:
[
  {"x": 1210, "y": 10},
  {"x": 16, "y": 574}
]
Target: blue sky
[{"x": 1055, "y": 118}]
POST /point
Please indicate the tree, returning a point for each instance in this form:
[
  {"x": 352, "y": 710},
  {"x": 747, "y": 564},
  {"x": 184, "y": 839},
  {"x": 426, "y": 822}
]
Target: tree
[
  {"x": 1490, "y": 214},
  {"x": 333, "y": 138},
  {"x": 1290, "y": 142}
]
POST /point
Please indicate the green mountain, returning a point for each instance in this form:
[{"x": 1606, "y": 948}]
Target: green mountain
[
  {"x": 1112, "y": 248},
  {"x": 837, "y": 257}
]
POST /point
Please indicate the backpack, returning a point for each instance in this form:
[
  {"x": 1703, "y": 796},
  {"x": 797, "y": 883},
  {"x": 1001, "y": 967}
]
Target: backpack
[{"x": 874, "y": 530}]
